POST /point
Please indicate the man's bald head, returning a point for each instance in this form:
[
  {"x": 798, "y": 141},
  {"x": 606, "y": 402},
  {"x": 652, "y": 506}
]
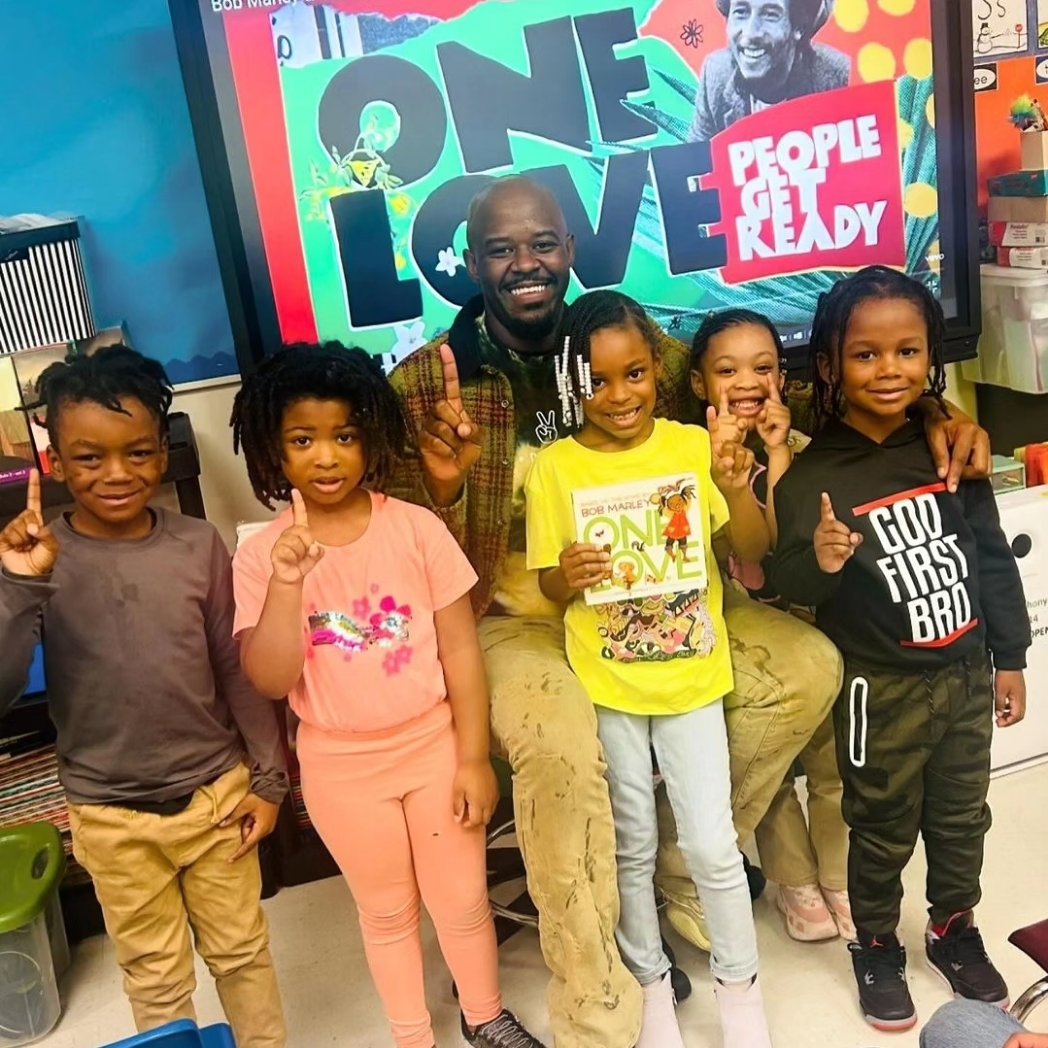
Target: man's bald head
[
  {"x": 510, "y": 192},
  {"x": 520, "y": 254}
]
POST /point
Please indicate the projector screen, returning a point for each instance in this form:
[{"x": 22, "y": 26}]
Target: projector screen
[{"x": 706, "y": 153}]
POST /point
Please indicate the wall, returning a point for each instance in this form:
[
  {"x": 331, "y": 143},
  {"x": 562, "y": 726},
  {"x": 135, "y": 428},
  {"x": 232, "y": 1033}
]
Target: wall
[{"x": 96, "y": 125}]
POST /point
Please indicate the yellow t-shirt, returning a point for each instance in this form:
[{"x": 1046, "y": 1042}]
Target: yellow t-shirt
[{"x": 653, "y": 655}]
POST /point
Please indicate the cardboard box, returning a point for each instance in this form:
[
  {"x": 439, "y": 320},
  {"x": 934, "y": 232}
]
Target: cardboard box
[
  {"x": 1023, "y": 257},
  {"x": 1020, "y": 184},
  {"x": 1019, "y": 234},
  {"x": 1017, "y": 209},
  {"x": 1034, "y": 150}
]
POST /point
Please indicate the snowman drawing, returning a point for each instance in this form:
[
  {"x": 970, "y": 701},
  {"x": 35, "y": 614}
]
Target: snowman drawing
[{"x": 984, "y": 41}]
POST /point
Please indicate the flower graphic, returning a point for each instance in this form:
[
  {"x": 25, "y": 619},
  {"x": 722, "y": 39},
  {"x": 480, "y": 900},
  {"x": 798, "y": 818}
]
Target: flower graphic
[
  {"x": 691, "y": 34},
  {"x": 448, "y": 262},
  {"x": 395, "y": 661},
  {"x": 361, "y": 608}
]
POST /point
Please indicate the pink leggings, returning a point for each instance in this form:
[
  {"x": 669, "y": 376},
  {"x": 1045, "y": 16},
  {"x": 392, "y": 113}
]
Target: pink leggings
[{"x": 383, "y": 807}]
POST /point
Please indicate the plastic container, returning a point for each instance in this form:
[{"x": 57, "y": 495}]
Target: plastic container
[
  {"x": 183, "y": 1033},
  {"x": 1013, "y": 349},
  {"x": 33, "y": 947}
]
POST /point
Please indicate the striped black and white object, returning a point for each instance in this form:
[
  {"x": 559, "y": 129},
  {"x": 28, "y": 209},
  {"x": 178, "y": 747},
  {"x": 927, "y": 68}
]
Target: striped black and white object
[{"x": 43, "y": 290}]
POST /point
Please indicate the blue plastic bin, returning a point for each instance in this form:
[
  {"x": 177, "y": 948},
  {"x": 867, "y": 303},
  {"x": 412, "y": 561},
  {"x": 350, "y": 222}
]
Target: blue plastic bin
[{"x": 181, "y": 1034}]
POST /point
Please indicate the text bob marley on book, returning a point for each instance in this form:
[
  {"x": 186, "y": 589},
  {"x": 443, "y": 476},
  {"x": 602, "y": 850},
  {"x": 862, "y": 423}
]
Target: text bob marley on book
[{"x": 653, "y": 530}]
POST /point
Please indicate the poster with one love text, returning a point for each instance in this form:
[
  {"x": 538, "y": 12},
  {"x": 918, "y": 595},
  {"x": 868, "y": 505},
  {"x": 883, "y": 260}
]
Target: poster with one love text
[{"x": 706, "y": 153}]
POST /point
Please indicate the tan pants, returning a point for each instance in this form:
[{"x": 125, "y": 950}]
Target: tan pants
[
  {"x": 159, "y": 877},
  {"x": 787, "y": 675}
]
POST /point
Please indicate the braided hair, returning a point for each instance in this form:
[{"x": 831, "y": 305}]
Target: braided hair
[
  {"x": 717, "y": 322},
  {"x": 587, "y": 315},
  {"x": 107, "y": 376},
  {"x": 830, "y": 330},
  {"x": 327, "y": 371}
]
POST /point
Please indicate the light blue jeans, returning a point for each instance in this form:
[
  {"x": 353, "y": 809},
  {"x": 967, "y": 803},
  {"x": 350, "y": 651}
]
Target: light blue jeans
[
  {"x": 969, "y": 1024},
  {"x": 692, "y": 753}
]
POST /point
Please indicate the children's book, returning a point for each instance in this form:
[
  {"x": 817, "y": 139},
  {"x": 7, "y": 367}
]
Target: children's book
[{"x": 653, "y": 530}]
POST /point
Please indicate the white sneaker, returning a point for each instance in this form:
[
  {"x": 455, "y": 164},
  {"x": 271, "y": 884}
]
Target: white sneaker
[
  {"x": 743, "y": 1022},
  {"x": 658, "y": 1028}
]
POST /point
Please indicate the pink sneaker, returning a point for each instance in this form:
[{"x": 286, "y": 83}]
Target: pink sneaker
[
  {"x": 807, "y": 917},
  {"x": 659, "y": 1027},
  {"x": 743, "y": 1022},
  {"x": 840, "y": 907}
]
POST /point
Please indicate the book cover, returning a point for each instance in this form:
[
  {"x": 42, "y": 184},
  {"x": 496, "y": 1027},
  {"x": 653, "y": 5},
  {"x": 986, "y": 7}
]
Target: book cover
[
  {"x": 30, "y": 364},
  {"x": 653, "y": 530}
]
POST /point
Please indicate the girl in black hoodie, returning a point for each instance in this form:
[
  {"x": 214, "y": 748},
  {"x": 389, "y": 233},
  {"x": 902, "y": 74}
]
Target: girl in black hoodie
[{"x": 918, "y": 588}]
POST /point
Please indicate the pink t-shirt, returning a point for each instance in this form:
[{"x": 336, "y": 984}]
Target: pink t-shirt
[{"x": 371, "y": 644}]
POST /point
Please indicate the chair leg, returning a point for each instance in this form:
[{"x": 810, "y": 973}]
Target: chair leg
[{"x": 1029, "y": 1000}]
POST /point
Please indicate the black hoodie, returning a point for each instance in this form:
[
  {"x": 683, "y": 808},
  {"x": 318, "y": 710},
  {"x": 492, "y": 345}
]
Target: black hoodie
[{"x": 934, "y": 578}]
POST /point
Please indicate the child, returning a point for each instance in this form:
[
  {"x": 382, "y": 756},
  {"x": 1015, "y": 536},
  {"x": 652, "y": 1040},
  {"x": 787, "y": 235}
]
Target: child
[
  {"x": 918, "y": 588},
  {"x": 663, "y": 684},
  {"x": 735, "y": 366},
  {"x": 156, "y": 723},
  {"x": 356, "y": 606}
]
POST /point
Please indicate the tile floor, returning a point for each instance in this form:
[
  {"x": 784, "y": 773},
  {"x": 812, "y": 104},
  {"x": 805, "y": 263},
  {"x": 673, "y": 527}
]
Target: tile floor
[{"x": 808, "y": 988}]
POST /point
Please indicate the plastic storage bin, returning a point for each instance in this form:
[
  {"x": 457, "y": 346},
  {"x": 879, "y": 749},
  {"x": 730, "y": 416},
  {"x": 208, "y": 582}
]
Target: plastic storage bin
[
  {"x": 1013, "y": 349},
  {"x": 33, "y": 947},
  {"x": 183, "y": 1033}
]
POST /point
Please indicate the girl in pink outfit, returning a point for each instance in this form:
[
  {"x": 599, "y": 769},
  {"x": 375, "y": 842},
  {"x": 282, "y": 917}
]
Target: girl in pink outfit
[{"x": 356, "y": 607}]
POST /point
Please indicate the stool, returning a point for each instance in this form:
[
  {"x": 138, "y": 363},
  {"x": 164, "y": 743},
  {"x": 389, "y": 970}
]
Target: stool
[
  {"x": 33, "y": 947},
  {"x": 183, "y": 1033},
  {"x": 1033, "y": 941}
]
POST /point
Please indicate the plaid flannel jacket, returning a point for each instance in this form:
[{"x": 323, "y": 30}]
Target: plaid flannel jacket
[{"x": 479, "y": 520}]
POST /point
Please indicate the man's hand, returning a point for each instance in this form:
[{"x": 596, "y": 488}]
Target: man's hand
[
  {"x": 584, "y": 565},
  {"x": 296, "y": 553},
  {"x": 27, "y": 546},
  {"x": 1009, "y": 697},
  {"x": 258, "y": 818},
  {"x": 959, "y": 446},
  {"x": 835, "y": 542},
  {"x": 449, "y": 442},
  {"x": 773, "y": 422},
  {"x": 475, "y": 793},
  {"x": 1027, "y": 1040}
]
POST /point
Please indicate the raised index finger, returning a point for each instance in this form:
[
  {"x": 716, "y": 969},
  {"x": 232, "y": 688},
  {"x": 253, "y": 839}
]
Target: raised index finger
[
  {"x": 827, "y": 510},
  {"x": 723, "y": 408},
  {"x": 452, "y": 391},
  {"x": 298, "y": 509},
  {"x": 774, "y": 393},
  {"x": 32, "y": 492}
]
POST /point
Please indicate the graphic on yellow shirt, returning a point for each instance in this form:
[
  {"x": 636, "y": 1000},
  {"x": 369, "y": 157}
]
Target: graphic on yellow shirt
[{"x": 657, "y": 628}]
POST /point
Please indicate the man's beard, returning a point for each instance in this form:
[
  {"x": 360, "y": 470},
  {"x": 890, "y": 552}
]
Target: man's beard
[{"x": 533, "y": 329}]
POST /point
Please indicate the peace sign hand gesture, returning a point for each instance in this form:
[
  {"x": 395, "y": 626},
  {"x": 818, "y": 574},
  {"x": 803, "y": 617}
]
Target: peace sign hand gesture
[
  {"x": 773, "y": 422},
  {"x": 27, "y": 546},
  {"x": 449, "y": 441},
  {"x": 296, "y": 553}
]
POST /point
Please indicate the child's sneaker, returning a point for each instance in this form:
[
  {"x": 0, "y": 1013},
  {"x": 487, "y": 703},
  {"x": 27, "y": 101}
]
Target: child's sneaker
[
  {"x": 504, "y": 1031},
  {"x": 840, "y": 907},
  {"x": 659, "y": 1028},
  {"x": 880, "y": 973},
  {"x": 743, "y": 1022},
  {"x": 687, "y": 919},
  {"x": 957, "y": 953},
  {"x": 807, "y": 917}
]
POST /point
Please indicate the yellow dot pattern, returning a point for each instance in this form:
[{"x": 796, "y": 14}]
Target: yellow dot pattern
[
  {"x": 905, "y": 134},
  {"x": 921, "y": 200},
  {"x": 897, "y": 7},
  {"x": 933, "y": 260},
  {"x": 929, "y": 111},
  {"x": 876, "y": 62},
  {"x": 918, "y": 59},
  {"x": 851, "y": 15}
]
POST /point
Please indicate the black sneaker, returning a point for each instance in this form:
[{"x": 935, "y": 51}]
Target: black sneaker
[
  {"x": 754, "y": 878},
  {"x": 504, "y": 1031},
  {"x": 880, "y": 972},
  {"x": 959, "y": 956}
]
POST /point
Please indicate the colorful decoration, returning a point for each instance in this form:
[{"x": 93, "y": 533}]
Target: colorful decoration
[{"x": 1026, "y": 114}]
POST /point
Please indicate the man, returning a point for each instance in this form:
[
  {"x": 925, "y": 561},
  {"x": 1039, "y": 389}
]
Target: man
[
  {"x": 770, "y": 58},
  {"x": 483, "y": 404}
]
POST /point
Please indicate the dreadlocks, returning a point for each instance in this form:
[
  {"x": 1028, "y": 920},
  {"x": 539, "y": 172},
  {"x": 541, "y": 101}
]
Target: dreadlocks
[
  {"x": 105, "y": 377},
  {"x": 830, "y": 331},
  {"x": 323, "y": 372},
  {"x": 589, "y": 314},
  {"x": 717, "y": 322}
]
